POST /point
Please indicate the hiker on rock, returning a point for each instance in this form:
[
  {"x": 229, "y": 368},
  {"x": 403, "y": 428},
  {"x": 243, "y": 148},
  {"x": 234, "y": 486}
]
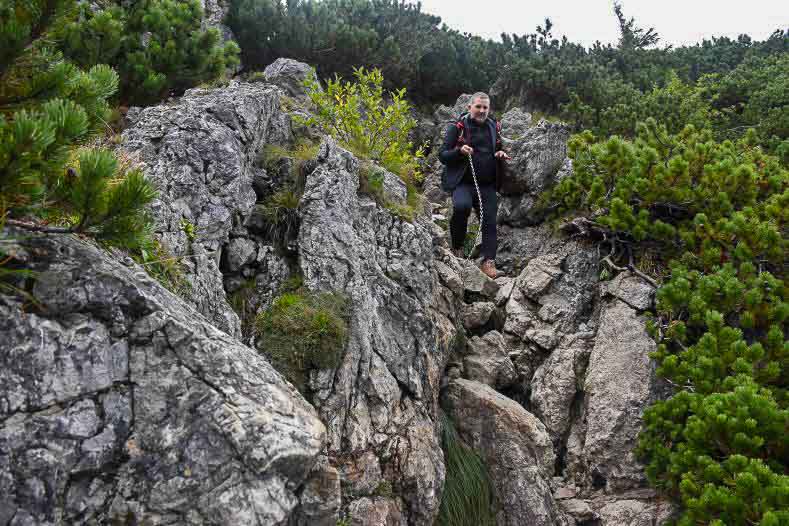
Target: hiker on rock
[{"x": 475, "y": 140}]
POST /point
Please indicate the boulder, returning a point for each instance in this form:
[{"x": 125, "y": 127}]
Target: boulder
[
  {"x": 631, "y": 289},
  {"x": 488, "y": 361},
  {"x": 516, "y": 449},
  {"x": 381, "y": 400},
  {"x": 477, "y": 314},
  {"x": 553, "y": 391},
  {"x": 289, "y": 75},
  {"x": 537, "y": 157},
  {"x": 200, "y": 154},
  {"x": 618, "y": 387}
]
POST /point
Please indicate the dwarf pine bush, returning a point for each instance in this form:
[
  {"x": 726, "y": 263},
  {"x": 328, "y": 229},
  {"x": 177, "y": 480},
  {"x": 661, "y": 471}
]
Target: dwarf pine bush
[
  {"x": 716, "y": 214},
  {"x": 49, "y": 108}
]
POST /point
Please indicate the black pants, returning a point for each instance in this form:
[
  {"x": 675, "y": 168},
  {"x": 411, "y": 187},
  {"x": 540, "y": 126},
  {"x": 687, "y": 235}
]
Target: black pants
[{"x": 464, "y": 198}]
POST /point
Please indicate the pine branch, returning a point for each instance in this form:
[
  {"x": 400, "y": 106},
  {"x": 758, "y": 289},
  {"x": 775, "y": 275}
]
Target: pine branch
[{"x": 41, "y": 228}]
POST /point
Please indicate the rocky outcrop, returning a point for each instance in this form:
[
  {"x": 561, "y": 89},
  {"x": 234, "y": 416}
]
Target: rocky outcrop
[
  {"x": 618, "y": 385},
  {"x": 120, "y": 403},
  {"x": 201, "y": 155},
  {"x": 572, "y": 352},
  {"x": 289, "y": 75},
  {"x": 380, "y": 404}
]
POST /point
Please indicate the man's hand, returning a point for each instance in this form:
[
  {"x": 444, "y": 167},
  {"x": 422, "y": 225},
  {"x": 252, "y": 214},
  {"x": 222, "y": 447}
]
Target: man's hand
[
  {"x": 466, "y": 150},
  {"x": 501, "y": 154}
]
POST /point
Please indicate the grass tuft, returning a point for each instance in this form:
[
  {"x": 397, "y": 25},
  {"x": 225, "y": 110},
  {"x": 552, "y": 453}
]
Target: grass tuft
[
  {"x": 468, "y": 498},
  {"x": 303, "y": 331}
]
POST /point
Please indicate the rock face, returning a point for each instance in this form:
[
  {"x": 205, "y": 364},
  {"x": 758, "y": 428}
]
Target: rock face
[
  {"x": 618, "y": 386},
  {"x": 569, "y": 351},
  {"x": 380, "y": 404},
  {"x": 515, "y": 446},
  {"x": 200, "y": 153},
  {"x": 289, "y": 75},
  {"x": 119, "y": 402}
]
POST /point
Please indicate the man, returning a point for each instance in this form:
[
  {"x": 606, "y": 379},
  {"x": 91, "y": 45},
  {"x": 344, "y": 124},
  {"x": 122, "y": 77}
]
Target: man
[{"x": 474, "y": 137}]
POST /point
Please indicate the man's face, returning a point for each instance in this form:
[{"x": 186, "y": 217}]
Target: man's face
[{"x": 479, "y": 109}]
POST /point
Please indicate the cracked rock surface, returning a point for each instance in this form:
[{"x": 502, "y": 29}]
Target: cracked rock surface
[
  {"x": 200, "y": 154},
  {"x": 119, "y": 402},
  {"x": 381, "y": 403}
]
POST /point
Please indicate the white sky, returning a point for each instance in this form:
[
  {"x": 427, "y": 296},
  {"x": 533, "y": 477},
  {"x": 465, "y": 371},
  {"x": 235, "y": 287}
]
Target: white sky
[{"x": 584, "y": 21}]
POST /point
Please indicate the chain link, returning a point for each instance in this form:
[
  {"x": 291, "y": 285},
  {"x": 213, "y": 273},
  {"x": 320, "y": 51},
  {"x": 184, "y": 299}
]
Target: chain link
[{"x": 478, "y": 239}]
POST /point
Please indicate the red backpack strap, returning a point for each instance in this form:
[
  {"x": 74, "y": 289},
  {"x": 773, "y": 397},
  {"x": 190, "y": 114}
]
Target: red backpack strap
[{"x": 461, "y": 127}]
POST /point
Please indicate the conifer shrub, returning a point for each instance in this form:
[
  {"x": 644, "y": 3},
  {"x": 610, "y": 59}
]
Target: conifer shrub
[
  {"x": 49, "y": 108},
  {"x": 467, "y": 499},
  {"x": 356, "y": 114},
  {"x": 303, "y": 331},
  {"x": 157, "y": 46},
  {"x": 716, "y": 214}
]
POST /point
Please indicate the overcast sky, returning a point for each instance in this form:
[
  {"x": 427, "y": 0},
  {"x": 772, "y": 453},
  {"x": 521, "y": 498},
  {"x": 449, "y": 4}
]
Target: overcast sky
[{"x": 584, "y": 21}]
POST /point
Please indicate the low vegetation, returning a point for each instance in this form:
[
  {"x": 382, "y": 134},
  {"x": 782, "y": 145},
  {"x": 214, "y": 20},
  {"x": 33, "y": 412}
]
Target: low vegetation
[
  {"x": 303, "y": 331},
  {"x": 714, "y": 215},
  {"x": 467, "y": 499}
]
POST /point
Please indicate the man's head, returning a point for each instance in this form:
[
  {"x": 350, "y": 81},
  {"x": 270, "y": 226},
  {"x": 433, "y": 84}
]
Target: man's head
[{"x": 479, "y": 107}]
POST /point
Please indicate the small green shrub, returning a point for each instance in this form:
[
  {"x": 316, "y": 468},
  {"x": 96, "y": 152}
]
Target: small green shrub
[
  {"x": 189, "y": 229},
  {"x": 714, "y": 214},
  {"x": 467, "y": 499},
  {"x": 384, "y": 489},
  {"x": 303, "y": 331},
  {"x": 356, "y": 114},
  {"x": 281, "y": 211}
]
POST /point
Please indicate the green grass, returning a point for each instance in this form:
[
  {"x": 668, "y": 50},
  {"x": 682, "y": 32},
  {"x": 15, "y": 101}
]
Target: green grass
[
  {"x": 371, "y": 182},
  {"x": 303, "y": 331},
  {"x": 241, "y": 302},
  {"x": 162, "y": 266},
  {"x": 467, "y": 499}
]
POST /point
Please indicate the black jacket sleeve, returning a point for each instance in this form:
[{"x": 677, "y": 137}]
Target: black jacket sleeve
[{"x": 449, "y": 153}]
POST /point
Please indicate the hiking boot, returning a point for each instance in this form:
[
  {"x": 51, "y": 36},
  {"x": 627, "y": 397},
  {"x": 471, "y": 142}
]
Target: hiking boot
[{"x": 489, "y": 268}]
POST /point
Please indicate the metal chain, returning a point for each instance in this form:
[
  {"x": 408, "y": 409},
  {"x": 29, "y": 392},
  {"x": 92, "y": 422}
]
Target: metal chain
[{"x": 478, "y": 239}]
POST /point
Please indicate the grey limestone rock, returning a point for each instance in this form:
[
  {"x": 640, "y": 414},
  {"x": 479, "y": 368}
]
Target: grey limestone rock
[
  {"x": 289, "y": 74},
  {"x": 633, "y": 512},
  {"x": 516, "y": 448},
  {"x": 515, "y": 123},
  {"x": 488, "y": 361},
  {"x": 539, "y": 274},
  {"x": 319, "y": 499},
  {"x": 376, "y": 511},
  {"x": 553, "y": 390},
  {"x": 119, "y": 401},
  {"x": 536, "y": 158},
  {"x": 631, "y": 289},
  {"x": 200, "y": 154},
  {"x": 477, "y": 314},
  {"x": 382, "y": 399},
  {"x": 618, "y": 386},
  {"x": 476, "y": 282}
]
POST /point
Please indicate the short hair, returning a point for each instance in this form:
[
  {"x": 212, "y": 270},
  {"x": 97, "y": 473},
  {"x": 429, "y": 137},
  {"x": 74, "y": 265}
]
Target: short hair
[{"x": 478, "y": 95}]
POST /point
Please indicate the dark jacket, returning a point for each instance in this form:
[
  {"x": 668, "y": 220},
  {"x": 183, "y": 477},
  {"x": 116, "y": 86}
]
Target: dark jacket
[{"x": 455, "y": 163}]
